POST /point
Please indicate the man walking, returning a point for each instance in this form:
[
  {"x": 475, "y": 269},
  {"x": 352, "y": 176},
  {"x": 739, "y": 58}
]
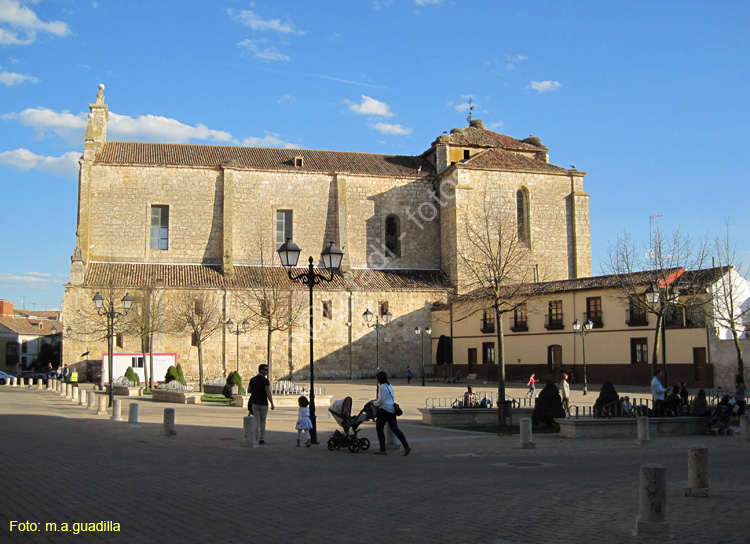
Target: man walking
[
  {"x": 657, "y": 393},
  {"x": 260, "y": 398}
]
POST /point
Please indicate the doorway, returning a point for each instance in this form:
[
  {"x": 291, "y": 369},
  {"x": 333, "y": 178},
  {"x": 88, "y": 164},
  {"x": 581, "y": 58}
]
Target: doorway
[
  {"x": 554, "y": 359},
  {"x": 472, "y": 359},
  {"x": 699, "y": 363}
]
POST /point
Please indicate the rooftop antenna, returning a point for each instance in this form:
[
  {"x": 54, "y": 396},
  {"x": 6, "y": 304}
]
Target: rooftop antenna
[
  {"x": 651, "y": 253},
  {"x": 471, "y": 108}
]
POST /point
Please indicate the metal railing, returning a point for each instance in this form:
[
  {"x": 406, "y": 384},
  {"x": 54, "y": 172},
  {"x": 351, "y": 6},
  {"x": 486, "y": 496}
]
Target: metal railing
[
  {"x": 286, "y": 387},
  {"x": 483, "y": 400}
]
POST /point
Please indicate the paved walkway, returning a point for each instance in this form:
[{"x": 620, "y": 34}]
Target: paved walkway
[{"x": 63, "y": 464}]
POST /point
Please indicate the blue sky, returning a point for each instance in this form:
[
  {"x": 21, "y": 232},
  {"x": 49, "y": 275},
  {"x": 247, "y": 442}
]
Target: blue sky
[{"x": 647, "y": 97}]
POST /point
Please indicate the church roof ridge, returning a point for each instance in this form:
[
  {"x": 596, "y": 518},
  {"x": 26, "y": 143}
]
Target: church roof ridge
[{"x": 265, "y": 158}]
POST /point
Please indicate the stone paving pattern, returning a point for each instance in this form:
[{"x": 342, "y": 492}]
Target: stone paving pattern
[{"x": 62, "y": 463}]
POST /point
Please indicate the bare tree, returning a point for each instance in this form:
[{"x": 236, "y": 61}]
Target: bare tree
[
  {"x": 199, "y": 314},
  {"x": 731, "y": 295},
  {"x": 657, "y": 279},
  {"x": 147, "y": 318},
  {"x": 271, "y": 306},
  {"x": 497, "y": 271}
]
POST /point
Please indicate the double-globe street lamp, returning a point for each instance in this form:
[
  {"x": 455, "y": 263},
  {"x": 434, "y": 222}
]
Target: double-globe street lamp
[
  {"x": 108, "y": 310},
  {"x": 367, "y": 316},
  {"x": 423, "y": 332},
  {"x": 583, "y": 330},
  {"x": 289, "y": 255},
  {"x": 237, "y": 330}
]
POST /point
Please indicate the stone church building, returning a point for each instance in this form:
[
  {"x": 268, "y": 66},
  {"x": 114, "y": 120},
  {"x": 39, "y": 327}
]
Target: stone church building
[{"x": 208, "y": 219}]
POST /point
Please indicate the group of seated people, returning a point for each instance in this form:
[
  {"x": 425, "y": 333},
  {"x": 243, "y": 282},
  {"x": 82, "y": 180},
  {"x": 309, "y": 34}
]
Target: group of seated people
[{"x": 472, "y": 400}]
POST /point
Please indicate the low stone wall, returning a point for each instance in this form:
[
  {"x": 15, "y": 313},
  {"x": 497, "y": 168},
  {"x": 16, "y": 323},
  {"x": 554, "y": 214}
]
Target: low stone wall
[
  {"x": 281, "y": 401},
  {"x": 213, "y": 389},
  {"x": 179, "y": 397},
  {"x": 126, "y": 391},
  {"x": 628, "y": 427},
  {"x": 468, "y": 417}
]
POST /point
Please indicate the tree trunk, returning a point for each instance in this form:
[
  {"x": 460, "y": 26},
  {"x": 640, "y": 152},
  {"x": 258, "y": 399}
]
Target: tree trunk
[
  {"x": 269, "y": 357},
  {"x": 655, "y": 355},
  {"x": 502, "y": 416},
  {"x": 738, "y": 347},
  {"x": 151, "y": 360},
  {"x": 200, "y": 368}
]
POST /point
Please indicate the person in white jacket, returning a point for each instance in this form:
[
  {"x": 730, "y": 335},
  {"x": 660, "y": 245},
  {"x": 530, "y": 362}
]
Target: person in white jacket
[
  {"x": 657, "y": 393},
  {"x": 387, "y": 414}
]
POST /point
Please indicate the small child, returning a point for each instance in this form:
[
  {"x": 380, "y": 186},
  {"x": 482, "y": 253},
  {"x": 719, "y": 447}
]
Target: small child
[{"x": 303, "y": 420}]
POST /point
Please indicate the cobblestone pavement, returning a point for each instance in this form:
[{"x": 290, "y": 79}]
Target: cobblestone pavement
[{"x": 63, "y": 464}]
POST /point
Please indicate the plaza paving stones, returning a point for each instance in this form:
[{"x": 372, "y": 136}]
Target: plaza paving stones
[{"x": 64, "y": 464}]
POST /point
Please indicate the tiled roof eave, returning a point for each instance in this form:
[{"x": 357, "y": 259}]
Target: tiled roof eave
[{"x": 553, "y": 172}]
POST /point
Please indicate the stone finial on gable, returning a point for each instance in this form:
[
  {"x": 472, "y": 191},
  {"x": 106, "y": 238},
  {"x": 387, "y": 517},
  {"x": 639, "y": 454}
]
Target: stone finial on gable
[
  {"x": 77, "y": 266},
  {"x": 96, "y": 130}
]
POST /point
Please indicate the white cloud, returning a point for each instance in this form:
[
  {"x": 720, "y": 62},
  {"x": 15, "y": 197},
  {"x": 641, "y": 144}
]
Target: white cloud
[
  {"x": 515, "y": 58},
  {"x": 286, "y": 99},
  {"x": 253, "y": 20},
  {"x": 22, "y": 159},
  {"x": 545, "y": 86},
  {"x": 19, "y": 25},
  {"x": 463, "y": 107},
  {"x": 161, "y": 129},
  {"x": 40, "y": 274},
  {"x": 29, "y": 281},
  {"x": 271, "y": 139},
  {"x": 498, "y": 124},
  {"x": 370, "y": 106},
  {"x": 71, "y": 128},
  {"x": 262, "y": 51},
  {"x": 64, "y": 124},
  {"x": 428, "y": 2},
  {"x": 10, "y": 78},
  {"x": 392, "y": 129}
]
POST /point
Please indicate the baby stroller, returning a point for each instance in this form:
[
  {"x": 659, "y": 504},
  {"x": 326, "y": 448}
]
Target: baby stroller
[
  {"x": 718, "y": 423},
  {"x": 342, "y": 413}
]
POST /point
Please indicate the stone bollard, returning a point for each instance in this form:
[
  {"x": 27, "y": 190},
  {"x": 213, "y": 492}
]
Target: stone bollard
[
  {"x": 103, "y": 402},
  {"x": 75, "y": 394},
  {"x": 169, "y": 429},
  {"x": 643, "y": 433},
  {"x": 652, "y": 501},
  {"x": 39, "y": 384},
  {"x": 527, "y": 440},
  {"x": 50, "y": 385},
  {"x": 69, "y": 391},
  {"x": 63, "y": 389},
  {"x": 390, "y": 440},
  {"x": 82, "y": 400},
  {"x": 57, "y": 385},
  {"x": 133, "y": 415},
  {"x": 697, "y": 472},
  {"x": 13, "y": 382},
  {"x": 117, "y": 410},
  {"x": 92, "y": 400},
  {"x": 745, "y": 428},
  {"x": 249, "y": 436}
]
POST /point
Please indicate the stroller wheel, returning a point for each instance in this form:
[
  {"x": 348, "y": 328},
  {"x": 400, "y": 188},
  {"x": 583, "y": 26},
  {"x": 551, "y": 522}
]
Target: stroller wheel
[
  {"x": 364, "y": 444},
  {"x": 330, "y": 445},
  {"x": 730, "y": 432},
  {"x": 354, "y": 446},
  {"x": 722, "y": 431}
]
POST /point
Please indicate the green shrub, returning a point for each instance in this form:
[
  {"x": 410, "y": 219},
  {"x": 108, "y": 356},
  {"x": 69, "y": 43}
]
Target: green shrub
[
  {"x": 233, "y": 379},
  {"x": 175, "y": 373},
  {"x": 131, "y": 376},
  {"x": 548, "y": 406}
]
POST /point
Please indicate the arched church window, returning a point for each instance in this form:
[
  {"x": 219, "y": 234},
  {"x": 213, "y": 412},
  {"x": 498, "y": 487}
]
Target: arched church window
[
  {"x": 392, "y": 236},
  {"x": 522, "y": 216}
]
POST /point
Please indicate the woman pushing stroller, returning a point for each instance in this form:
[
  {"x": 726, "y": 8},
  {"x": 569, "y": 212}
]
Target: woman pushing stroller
[{"x": 387, "y": 414}]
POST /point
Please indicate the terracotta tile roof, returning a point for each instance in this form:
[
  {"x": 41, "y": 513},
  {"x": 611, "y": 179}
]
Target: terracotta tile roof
[
  {"x": 134, "y": 275},
  {"x": 476, "y": 136},
  {"x": 263, "y": 159},
  {"x": 29, "y": 327},
  {"x": 500, "y": 159},
  {"x": 46, "y": 314}
]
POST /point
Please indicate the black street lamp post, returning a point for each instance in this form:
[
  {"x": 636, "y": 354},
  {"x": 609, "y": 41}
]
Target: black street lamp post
[
  {"x": 108, "y": 310},
  {"x": 583, "y": 331},
  {"x": 367, "y": 316},
  {"x": 237, "y": 331},
  {"x": 289, "y": 255},
  {"x": 423, "y": 332}
]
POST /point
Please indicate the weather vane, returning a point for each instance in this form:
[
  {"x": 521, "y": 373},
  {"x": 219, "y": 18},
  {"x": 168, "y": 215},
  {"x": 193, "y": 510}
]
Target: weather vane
[{"x": 471, "y": 108}]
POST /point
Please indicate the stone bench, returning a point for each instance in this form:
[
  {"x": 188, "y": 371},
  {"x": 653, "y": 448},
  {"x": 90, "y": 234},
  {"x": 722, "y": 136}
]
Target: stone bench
[
  {"x": 283, "y": 401},
  {"x": 468, "y": 417},
  {"x": 628, "y": 427},
  {"x": 179, "y": 397}
]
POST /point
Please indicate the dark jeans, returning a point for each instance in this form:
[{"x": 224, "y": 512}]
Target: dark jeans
[{"x": 390, "y": 418}]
